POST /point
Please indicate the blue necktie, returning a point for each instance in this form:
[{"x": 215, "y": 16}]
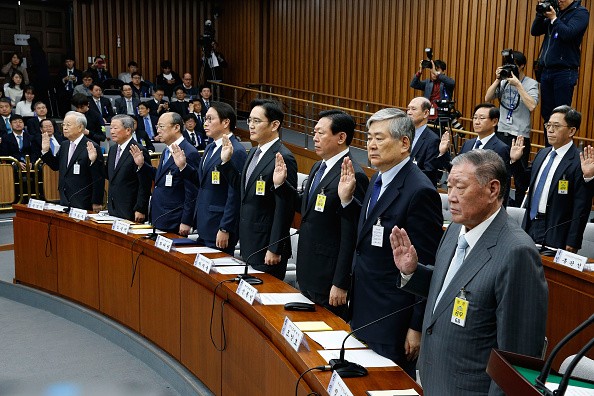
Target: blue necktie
[
  {"x": 477, "y": 144},
  {"x": 20, "y": 138},
  {"x": 52, "y": 146},
  {"x": 7, "y": 123},
  {"x": 377, "y": 187},
  {"x": 454, "y": 266},
  {"x": 148, "y": 128},
  {"x": 208, "y": 152},
  {"x": 165, "y": 155},
  {"x": 540, "y": 186},
  {"x": 316, "y": 181}
]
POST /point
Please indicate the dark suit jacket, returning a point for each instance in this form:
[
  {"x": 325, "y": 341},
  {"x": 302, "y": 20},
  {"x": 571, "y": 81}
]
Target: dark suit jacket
[
  {"x": 3, "y": 130},
  {"x": 143, "y": 139},
  {"x": 507, "y": 292},
  {"x": 106, "y": 108},
  {"x": 106, "y": 75},
  {"x": 443, "y": 162},
  {"x": 95, "y": 126},
  {"x": 63, "y": 72},
  {"x": 129, "y": 187},
  {"x": 218, "y": 204},
  {"x": 161, "y": 82},
  {"x": 153, "y": 106},
  {"x": 143, "y": 129},
  {"x": 424, "y": 152},
  {"x": 204, "y": 109},
  {"x": 86, "y": 188},
  {"x": 410, "y": 202},
  {"x": 10, "y": 147},
  {"x": 201, "y": 139},
  {"x": 180, "y": 108},
  {"x": 179, "y": 198},
  {"x": 575, "y": 205},
  {"x": 34, "y": 129},
  {"x": 326, "y": 239},
  {"x": 122, "y": 107},
  {"x": 264, "y": 219}
]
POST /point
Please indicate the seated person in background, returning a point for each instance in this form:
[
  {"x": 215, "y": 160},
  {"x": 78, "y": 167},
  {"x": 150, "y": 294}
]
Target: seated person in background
[
  {"x": 19, "y": 143},
  {"x": 34, "y": 123},
  {"x": 141, "y": 137},
  {"x": 168, "y": 79},
  {"x": 84, "y": 88},
  {"x": 206, "y": 97},
  {"x": 194, "y": 132},
  {"x": 14, "y": 88},
  {"x": 140, "y": 89},
  {"x": 437, "y": 87},
  {"x": 5, "y": 112},
  {"x": 127, "y": 104},
  {"x": 94, "y": 129},
  {"x": 157, "y": 105},
  {"x": 180, "y": 105},
  {"x": 15, "y": 64},
  {"x": 558, "y": 202},
  {"x": 25, "y": 106},
  {"x": 191, "y": 91},
  {"x": 99, "y": 104},
  {"x": 126, "y": 77},
  {"x": 56, "y": 137},
  {"x": 147, "y": 122},
  {"x": 195, "y": 108},
  {"x": 425, "y": 145},
  {"x": 98, "y": 70}
]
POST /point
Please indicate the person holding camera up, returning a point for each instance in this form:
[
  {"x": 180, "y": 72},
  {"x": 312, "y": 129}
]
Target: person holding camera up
[
  {"x": 563, "y": 22},
  {"x": 438, "y": 86},
  {"x": 518, "y": 97}
]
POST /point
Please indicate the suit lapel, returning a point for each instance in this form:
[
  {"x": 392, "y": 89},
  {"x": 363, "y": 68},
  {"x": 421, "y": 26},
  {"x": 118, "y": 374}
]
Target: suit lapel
[
  {"x": 444, "y": 259},
  {"x": 419, "y": 144},
  {"x": 538, "y": 161},
  {"x": 264, "y": 161},
  {"x": 561, "y": 171},
  {"x": 332, "y": 174},
  {"x": 124, "y": 156},
  {"x": 312, "y": 174},
  {"x": 76, "y": 156}
]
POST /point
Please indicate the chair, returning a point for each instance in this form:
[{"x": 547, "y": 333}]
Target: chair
[
  {"x": 291, "y": 274},
  {"x": 301, "y": 181},
  {"x": 517, "y": 214},
  {"x": 583, "y": 370},
  {"x": 445, "y": 207},
  {"x": 11, "y": 181},
  {"x": 46, "y": 182},
  {"x": 588, "y": 241},
  {"x": 112, "y": 85}
]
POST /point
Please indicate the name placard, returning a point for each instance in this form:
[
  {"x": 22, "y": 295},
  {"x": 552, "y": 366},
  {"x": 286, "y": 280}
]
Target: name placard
[
  {"x": 337, "y": 387},
  {"x": 203, "y": 263},
  {"x": 247, "y": 291},
  {"x": 36, "y": 204},
  {"x": 121, "y": 226},
  {"x": 163, "y": 243},
  {"x": 78, "y": 214},
  {"x": 294, "y": 336},
  {"x": 571, "y": 260}
]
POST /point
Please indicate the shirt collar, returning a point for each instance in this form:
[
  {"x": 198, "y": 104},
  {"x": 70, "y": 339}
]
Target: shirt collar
[
  {"x": 561, "y": 151},
  {"x": 264, "y": 148},
  {"x": 332, "y": 161},
  {"x": 219, "y": 141},
  {"x": 485, "y": 140},
  {"x": 473, "y": 236},
  {"x": 125, "y": 144},
  {"x": 178, "y": 142},
  {"x": 391, "y": 173}
]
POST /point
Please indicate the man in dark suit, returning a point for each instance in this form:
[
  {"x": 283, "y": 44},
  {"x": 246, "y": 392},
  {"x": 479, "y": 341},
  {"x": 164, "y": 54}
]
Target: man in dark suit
[
  {"x": 5, "y": 113},
  {"x": 205, "y": 98},
  {"x": 157, "y": 105},
  {"x": 326, "y": 239},
  {"x": 102, "y": 106},
  {"x": 56, "y": 137},
  {"x": 265, "y": 217},
  {"x": 217, "y": 207},
  {"x": 558, "y": 192},
  {"x": 140, "y": 135},
  {"x": 194, "y": 132},
  {"x": 399, "y": 194},
  {"x": 172, "y": 204},
  {"x": 147, "y": 123},
  {"x": 180, "y": 106},
  {"x": 94, "y": 129},
  {"x": 425, "y": 145},
  {"x": 127, "y": 104},
  {"x": 129, "y": 185},
  {"x": 68, "y": 78},
  {"x": 99, "y": 71},
  {"x": 33, "y": 127},
  {"x": 81, "y": 183},
  {"x": 485, "y": 262},
  {"x": 19, "y": 143},
  {"x": 196, "y": 109}
]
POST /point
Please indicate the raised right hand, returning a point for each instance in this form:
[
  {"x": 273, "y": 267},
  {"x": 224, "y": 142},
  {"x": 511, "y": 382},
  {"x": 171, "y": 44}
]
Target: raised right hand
[
  {"x": 517, "y": 149},
  {"x": 137, "y": 155},
  {"x": 348, "y": 182},
  {"x": 280, "y": 170},
  {"x": 45, "y": 142},
  {"x": 444, "y": 144},
  {"x": 179, "y": 156},
  {"x": 226, "y": 149},
  {"x": 404, "y": 253}
]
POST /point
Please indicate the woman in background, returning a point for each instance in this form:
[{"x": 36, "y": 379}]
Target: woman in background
[
  {"x": 16, "y": 64},
  {"x": 13, "y": 89},
  {"x": 25, "y": 106}
]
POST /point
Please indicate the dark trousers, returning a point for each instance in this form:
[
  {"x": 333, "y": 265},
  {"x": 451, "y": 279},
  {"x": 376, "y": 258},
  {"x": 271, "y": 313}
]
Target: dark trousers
[
  {"x": 520, "y": 184},
  {"x": 537, "y": 229},
  {"x": 323, "y": 299},
  {"x": 556, "y": 89}
]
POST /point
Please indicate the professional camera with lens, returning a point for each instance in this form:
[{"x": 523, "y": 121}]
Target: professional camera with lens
[
  {"x": 447, "y": 109},
  {"x": 426, "y": 63},
  {"x": 208, "y": 37},
  {"x": 545, "y": 6},
  {"x": 509, "y": 65}
]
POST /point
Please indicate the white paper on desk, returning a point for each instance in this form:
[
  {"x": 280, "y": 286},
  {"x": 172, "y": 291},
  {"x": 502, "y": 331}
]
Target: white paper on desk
[
  {"x": 333, "y": 339},
  {"x": 364, "y": 357},
  {"x": 281, "y": 298},
  {"x": 56, "y": 207},
  {"x": 240, "y": 269},
  {"x": 197, "y": 250},
  {"x": 143, "y": 231},
  {"x": 395, "y": 392},
  {"x": 103, "y": 217},
  {"x": 226, "y": 262},
  {"x": 571, "y": 390}
]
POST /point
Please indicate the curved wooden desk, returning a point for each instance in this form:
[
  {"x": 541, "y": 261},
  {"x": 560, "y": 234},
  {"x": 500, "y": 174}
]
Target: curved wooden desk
[{"x": 169, "y": 302}]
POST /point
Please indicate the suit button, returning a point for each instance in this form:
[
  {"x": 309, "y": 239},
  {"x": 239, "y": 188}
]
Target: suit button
[
  {"x": 358, "y": 252},
  {"x": 429, "y": 331}
]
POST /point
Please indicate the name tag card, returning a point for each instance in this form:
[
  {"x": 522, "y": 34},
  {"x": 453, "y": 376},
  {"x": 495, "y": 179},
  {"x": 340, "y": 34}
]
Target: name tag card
[
  {"x": 293, "y": 335},
  {"x": 570, "y": 260},
  {"x": 337, "y": 387},
  {"x": 36, "y": 204},
  {"x": 203, "y": 263},
  {"x": 247, "y": 291},
  {"x": 78, "y": 214},
  {"x": 121, "y": 226},
  {"x": 163, "y": 243}
]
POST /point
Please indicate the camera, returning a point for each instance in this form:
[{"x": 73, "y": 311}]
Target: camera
[
  {"x": 208, "y": 37},
  {"x": 447, "y": 109},
  {"x": 426, "y": 64},
  {"x": 545, "y": 6},
  {"x": 509, "y": 65}
]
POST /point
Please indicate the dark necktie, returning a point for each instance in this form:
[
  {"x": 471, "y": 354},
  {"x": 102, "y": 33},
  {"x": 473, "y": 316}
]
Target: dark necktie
[
  {"x": 477, "y": 144},
  {"x": 316, "y": 180},
  {"x": 377, "y": 187},
  {"x": 208, "y": 152},
  {"x": 252, "y": 165},
  {"x": 118, "y": 155},
  {"x": 69, "y": 86},
  {"x": 193, "y": 138},
  {"x": 540, "y": 186}
]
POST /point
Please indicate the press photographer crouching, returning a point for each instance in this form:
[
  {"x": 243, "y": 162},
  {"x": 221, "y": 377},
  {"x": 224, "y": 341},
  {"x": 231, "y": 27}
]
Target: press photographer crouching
[{"x": 518, "y": 96}]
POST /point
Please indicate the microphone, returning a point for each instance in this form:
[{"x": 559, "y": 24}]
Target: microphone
[
  {"x": 549, "y": 252},
  {"x": 153, "y": 235},
  {"x": 544, "y": 373},
  {"x": 348, "y": 369},
  {"x": 66, "y": 210},
  {"x": 252, "y": 280}
]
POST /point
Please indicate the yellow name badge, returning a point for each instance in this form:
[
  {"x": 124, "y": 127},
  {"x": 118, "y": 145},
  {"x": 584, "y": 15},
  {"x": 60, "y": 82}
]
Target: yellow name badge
[
  {"x": 216, "y": 177},
  {"x": 320, "y": 203},
  {"x": 260, "y": 187},
  {"x": 563, "y": 187},
  {"x": 459, "y": 312}
]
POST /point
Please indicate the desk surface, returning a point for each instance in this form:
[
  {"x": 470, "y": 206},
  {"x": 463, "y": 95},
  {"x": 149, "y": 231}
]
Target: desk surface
[{"x": 166, "y": 299}]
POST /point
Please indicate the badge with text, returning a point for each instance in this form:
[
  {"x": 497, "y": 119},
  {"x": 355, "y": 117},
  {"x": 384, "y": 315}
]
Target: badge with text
[
  {"x": 76, "y": 169},
  {"x": 320, "y": 202},
  {"x": 337, "y": 387},
  {"x": 169, "y": 180},
  {"x": 163, "y": 243},
  {"x": 377, "y": 234},
  {"x": 571, "y": 260},
  {"x": 215, "y": 177},
  {"x": 78, "y": 214},
  {"x": 294, "y": 336},
  {"x": 563, "y": 187},
  {"x": 247, "y": 291},
  {"x": 36, "y": 204},
  {"x": 460, "y": 309},
  {"x": 121, "y": 226},
  {"x": 260, "y": 187},
  {"x": 203, "y": 263}
]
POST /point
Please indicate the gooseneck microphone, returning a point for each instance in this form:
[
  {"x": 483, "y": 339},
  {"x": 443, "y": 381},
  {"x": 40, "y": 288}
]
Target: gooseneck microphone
[
  {"x": 69, "y": 206},
  {"x": 252, "y": 280},
  {"x": 153, "y": 235},
  {"x": 348, "y": 369},
  {"x": 544, "y": 250}
]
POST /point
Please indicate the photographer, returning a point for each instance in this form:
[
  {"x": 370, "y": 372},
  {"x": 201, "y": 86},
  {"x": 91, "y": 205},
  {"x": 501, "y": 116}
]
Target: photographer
[
  {"x": 437, "y": 87},
  {"x": 563, "y": 23},
  {"x": 518, "y": 97}
]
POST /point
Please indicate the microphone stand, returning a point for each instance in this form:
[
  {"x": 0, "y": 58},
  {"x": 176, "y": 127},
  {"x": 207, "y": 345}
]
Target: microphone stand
[
  {"x": 544, "y": 250},
  {"x": 67, "y": 209},
  {"x": 153, "y": 235}
]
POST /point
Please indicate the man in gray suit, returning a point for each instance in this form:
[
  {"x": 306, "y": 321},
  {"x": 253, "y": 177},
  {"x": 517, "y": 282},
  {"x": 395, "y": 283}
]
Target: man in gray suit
[{"x": 487, "y": 290}]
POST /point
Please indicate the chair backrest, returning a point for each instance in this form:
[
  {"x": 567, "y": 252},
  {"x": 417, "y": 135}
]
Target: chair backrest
[
  {"x": 445, "y": 207},
  {"x": 11, "y": 181},
  {"x": 301, "y": 181},
  {"x": 583, "y": 370},
  {"x": 588, "y": 241},
  {"x": 516, "y": 213}
]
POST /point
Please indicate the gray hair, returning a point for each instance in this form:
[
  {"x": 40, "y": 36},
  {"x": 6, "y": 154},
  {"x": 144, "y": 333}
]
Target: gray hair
[
  {"x": 126, "y": 120},
  {"x": 80, "y": 118},
  {"x": 399, "y": 126},
  {"x": 177, "y": 119},
  {"x": 488, "y": 166}
]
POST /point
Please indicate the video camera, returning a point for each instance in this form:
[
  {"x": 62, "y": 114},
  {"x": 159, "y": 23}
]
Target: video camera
[
  {"x": 509, "y": 65},
  {"x": 208, "y": 37},
  {"x": 447, "y": 109},
  {"x": 426, "y": 64},
  {"x": 545, "y": 6}
]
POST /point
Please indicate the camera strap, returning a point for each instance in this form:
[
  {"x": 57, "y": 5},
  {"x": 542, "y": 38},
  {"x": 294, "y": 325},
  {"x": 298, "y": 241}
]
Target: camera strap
[{"x": 513, "y": 97}]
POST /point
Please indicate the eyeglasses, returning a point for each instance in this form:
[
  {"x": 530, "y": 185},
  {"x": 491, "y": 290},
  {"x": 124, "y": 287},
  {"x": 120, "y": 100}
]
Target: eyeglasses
[
  {"x": 554, "y": 127},
  {"x": 255, "y": 121},
  {"x": 210, "y": 119}
]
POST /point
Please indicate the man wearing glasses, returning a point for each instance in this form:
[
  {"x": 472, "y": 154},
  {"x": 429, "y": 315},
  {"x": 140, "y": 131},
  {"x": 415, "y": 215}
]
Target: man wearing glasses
[{"x": 558, "y": 202}]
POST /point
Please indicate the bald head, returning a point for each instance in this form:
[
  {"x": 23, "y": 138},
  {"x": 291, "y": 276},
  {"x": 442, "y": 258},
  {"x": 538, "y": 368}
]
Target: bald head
[{"x": 418, "y": 111}]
